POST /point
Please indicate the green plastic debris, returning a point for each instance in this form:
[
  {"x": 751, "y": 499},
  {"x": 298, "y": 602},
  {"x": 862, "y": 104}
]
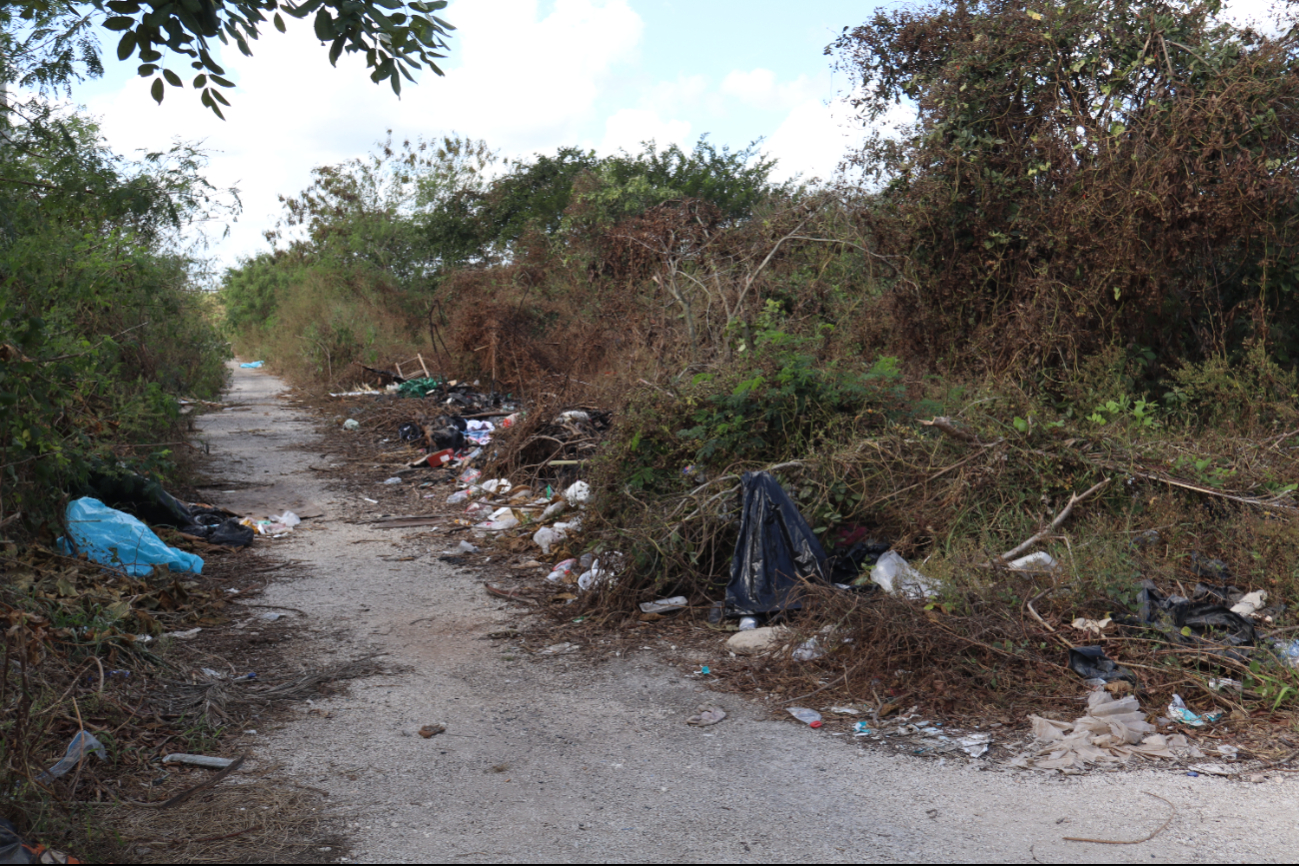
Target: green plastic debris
[{"x": 419, "y": 387}]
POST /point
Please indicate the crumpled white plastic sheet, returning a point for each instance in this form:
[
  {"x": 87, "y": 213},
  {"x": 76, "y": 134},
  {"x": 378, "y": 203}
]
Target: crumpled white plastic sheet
[{"x": 1112, "y": 732}]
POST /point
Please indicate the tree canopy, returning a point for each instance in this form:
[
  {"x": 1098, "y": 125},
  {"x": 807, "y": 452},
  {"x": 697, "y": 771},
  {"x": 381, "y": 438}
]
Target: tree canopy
[{"x": 61, "y": 39}]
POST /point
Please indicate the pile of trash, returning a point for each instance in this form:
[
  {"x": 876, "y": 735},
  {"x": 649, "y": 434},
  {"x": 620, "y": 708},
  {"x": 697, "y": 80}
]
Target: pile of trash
[
  {"x": 566, "y": 441},
  {"x": 496, "y": 506},
  {"x": 453, "y": 439}
]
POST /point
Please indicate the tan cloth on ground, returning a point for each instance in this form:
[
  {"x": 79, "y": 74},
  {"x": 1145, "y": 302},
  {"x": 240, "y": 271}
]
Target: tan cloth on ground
[{"x": 1112, "y": 732}]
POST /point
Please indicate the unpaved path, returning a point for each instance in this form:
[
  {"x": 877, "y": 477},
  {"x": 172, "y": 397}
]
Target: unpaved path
[{"x": 556, "y": 760}]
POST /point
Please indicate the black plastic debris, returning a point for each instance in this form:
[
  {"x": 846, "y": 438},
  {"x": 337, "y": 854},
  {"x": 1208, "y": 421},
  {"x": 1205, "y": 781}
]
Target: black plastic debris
[
  {"x": 229, "y": 532},
  {"x": 1091, "y": 663},
  {"x": 1214, "y": 569},
  {"x": 1203, "y": 622},
  {"x": 410, "y": 432},
  {"x": 776, "y": 552},
  {"x": 854, "y": 562}
]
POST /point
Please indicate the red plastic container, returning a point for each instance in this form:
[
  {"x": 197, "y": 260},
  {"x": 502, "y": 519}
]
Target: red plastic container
[{"x": 440, "y": 458}]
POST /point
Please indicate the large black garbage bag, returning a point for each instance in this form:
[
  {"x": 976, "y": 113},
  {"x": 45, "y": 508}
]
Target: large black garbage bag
[{"x": 775, "y": 553}]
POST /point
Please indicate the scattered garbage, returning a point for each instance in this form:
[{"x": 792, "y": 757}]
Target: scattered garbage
[
  {"x": 775, "y": 553},
  {"x": 501, "y": 519},
  {"x": 748, "y": 622},
  {"x": 113, "y": 538},
  {"x": 351, "y": 424},
  {"x": 594, "y": 577},
  {"x": 1092, "y": 626},
  {"x": 809, "y": 717},
  {"x": 1251, "y": 603},
  {"x": 396, "y": 479},
  {"x": 467, "y": 547},
  {"x": 1204, "y": 621},
  {"x": 1220, "y": 684},
  {"x": 706, "y": 714},
  {"x": 756, "y": 641},
  {"x": 463, "y": 495},
  {"x": 208, "y": 761},
  {"x": 14, "y": 850},
  {"x": 861, "y": 729},
  {"x": 252, "y": 365},
  {"x": 187, "y": 634},
  {"x": 145, "y": 498},
  {"x": 1178, "y": 712},
  {"x": 1112, "y": 732},
  {"x": 578, "y": 493},
  {"x": 469, "y": 476},
  {"x": 1036, "y": 562},
  {"x": 428, "y": 732},
  {"x": 897, "y": 576},
  {"x": 1091, "y": 663},
  {"x": 665, "y": 605},
  {"x": 81, "y": 746},
  {"x": 547, "y": 537},
  {"x": 808, "y": 650},
  {"x": 561, "y": 572},
  {"x": 845, "y": 711}
]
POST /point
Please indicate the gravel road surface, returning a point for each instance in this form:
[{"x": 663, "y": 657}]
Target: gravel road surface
[{"x": 559, "y": 760}]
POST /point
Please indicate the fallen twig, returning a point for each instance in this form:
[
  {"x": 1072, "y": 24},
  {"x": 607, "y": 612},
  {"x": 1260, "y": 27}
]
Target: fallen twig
[
  {"x": 185, "y": 795},
  {"x": 1055, "y": 524},
  {"x": 1161, "y": 829}
]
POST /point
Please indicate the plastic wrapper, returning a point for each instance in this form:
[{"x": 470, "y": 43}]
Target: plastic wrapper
[{"x": 775, "y": 553}]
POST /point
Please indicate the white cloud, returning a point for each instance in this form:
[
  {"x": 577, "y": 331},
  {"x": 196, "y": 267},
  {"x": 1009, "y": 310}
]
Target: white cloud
[
  {"x": 626, "y": 129},
  {"x": 522, "y": 81},
  {"x": 815, "y": 137},
  {"x": 759, "y": 88}
]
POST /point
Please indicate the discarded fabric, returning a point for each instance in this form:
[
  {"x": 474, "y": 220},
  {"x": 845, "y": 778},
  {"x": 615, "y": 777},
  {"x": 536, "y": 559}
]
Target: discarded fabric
[
  {"x": 1112, "y": 732},
  {"x": 114, "y": 538},
  {"x": 775, "y": 553}
]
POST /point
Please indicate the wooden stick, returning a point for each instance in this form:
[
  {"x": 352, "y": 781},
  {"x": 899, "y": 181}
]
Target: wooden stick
[
  {"x": 1055, "y": 524},
  {"x": 1161, "y": 829},
  {"x": 422, "y": 367},
  {"x": 185, "y": 795}
]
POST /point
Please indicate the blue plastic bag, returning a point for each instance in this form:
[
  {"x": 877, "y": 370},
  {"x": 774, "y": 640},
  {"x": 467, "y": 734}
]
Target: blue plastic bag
[
  {"x": 252, "y": 365},
  {"x": 115, "y": 538}
]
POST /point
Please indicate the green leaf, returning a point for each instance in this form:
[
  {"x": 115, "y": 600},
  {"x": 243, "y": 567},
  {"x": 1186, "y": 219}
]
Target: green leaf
[
  {"x": 126, "y": 46},
  {"x": 335, "y": 50},
  {"x": 324, "y": 26},
  {"x": 224, "y": 82},
  {"x": 119, "y": 22},
  {"x": 147, "y": 69},
  {"x": 172, "y": 78},
  {"x": 156, "y": 90},
  {"x": 126, "y": 7},
  {"x": 279, "y": 22},
  {"x": 200, "y": 81}
]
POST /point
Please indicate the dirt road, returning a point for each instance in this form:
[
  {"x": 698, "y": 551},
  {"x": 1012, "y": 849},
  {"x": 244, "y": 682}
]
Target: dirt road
[{"x": 555, "y": 760}]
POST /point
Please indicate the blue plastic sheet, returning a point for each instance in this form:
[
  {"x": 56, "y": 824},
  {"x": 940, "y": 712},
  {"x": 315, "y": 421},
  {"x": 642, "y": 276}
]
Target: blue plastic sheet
[
  {"x": 115, "y": 538},
  {"x": 252, "y": 365}
]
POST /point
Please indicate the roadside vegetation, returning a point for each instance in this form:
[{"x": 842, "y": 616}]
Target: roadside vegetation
[{"x": 1073, "y": 274}]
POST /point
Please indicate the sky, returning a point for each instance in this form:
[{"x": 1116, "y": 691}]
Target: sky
[{"x": 527, "y": 76}]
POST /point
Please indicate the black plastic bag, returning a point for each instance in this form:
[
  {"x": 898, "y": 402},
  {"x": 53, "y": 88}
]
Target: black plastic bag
[
  {"x": 1091, "y": 663},
  {"x": 775, "y": 553},
  {"x": 229, "y": 532},
  {"x": 852, "y": 564}
]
